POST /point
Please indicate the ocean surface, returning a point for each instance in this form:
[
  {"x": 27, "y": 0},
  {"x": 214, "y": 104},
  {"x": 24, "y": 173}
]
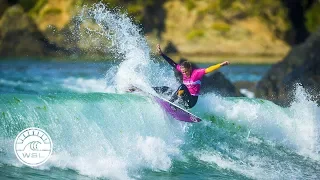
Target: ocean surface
[{"x": 99, "y": 131}]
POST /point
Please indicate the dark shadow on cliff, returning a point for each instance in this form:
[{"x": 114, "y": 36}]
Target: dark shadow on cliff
[
  {"x": 154, "y": 16},
  {"x": 296, "y": 14}
]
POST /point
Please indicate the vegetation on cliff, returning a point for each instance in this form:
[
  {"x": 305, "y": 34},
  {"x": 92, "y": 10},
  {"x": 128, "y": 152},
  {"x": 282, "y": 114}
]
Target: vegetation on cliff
[{"x": 204, "y": 27}]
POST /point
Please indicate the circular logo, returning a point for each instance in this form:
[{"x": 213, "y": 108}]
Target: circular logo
[
  {"x": 194, "y": 119},
  {"x": 33, "y": 146}
]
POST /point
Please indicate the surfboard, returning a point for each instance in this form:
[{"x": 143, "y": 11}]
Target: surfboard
[
  {"x": 176, "y": 112},
  {"x": 170, "y": 108}
]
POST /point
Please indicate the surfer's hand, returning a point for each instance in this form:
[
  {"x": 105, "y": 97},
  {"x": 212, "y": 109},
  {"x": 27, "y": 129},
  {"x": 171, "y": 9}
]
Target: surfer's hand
[
  {"x": 159, "y": 49},
  {"x": 225, "y": 63}
]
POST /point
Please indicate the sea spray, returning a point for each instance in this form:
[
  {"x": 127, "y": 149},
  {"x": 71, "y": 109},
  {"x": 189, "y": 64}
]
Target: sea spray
[
  {"x": 295, "y": 127},
  {"x": 305, "y": 127},
  {"x": 128, "y": 44}
]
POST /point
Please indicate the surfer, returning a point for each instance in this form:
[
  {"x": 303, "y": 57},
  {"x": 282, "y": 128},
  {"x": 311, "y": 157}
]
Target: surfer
[{"x": 189, "y": 91}]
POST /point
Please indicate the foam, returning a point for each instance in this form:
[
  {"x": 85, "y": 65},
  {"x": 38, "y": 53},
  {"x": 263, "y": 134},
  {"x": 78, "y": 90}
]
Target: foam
[
  {"x": 83, "y": 85},
  {"x": 296, "y": 127},
  {"x": 93, "y": 140}
]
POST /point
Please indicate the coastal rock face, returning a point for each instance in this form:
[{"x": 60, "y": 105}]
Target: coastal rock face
[
  {"x": 301, "y": 66},
  {"x": 3, "y": 6},
  {"x": 205, "y": 28},
  {"x": 196, "y": 28},
  {"x": 171, "y": 48},
  {"x": 22, "y": 38},
  {"x": 219, "y": 84}
]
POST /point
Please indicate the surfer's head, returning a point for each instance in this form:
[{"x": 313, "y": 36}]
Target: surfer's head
[{"x": 186, "y": 68}]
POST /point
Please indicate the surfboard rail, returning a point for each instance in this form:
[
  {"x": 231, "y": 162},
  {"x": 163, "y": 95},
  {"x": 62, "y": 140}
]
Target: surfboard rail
[{"x": 177, "y": 112}]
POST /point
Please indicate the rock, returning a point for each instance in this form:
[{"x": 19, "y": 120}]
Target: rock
[
  {"x": 3, "y": 6},
  {"x": 219, "y": 84},
  {"x": 308, "y": 74},
  {"x": 301, "y": 65},
  {"x": 214, "y": 82},
  {"x": 171, "y": 48},
  {"x": 21, "y": 37},
  {"x": 153, "y": 17},
  {"x": 75, "y": 37},
  {"x": 297, "y": 12},
  {"x": 64, "y": 38}
]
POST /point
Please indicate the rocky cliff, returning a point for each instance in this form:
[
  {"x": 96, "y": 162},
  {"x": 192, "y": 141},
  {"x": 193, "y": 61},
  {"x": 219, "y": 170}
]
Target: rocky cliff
[
  {"x": 20, "y": 36},
  {"x": 300, "y": 66},
  {"x": 199, "y": 28}
]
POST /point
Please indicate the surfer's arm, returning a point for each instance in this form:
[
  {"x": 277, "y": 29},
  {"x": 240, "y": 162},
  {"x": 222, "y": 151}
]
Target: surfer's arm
[
  {"x": 215, "y": 67},
  {"x": 169, "y": 60}
]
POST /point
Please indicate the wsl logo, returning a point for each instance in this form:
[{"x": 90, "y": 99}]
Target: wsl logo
[
  {"x": 194, "y": 119},
  {"x": 33, "y": 146}
]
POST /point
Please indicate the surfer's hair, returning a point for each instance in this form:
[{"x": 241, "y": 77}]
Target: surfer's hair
[{"x": 186, "y": 64}]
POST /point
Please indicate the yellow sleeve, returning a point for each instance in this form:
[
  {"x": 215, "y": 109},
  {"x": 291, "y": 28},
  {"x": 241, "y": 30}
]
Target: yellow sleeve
[{"x": 212, "y": 68}]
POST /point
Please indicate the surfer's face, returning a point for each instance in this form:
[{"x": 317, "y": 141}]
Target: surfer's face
[{"x": 186, "y": 71}]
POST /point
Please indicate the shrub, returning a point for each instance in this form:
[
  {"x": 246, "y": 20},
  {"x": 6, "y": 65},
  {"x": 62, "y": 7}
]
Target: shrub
[
  {"x": 197, "y": 33},
  {"x": 313, "y": 18},
  {"x": 27, "y": 4},
  {"x": 221, "y": 27},
  {"x": 52, "y": 11}
]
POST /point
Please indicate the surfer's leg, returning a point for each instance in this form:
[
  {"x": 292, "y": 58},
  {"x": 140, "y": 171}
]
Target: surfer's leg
[
  {"x": 188, "y": 100},
  {"x": 186, "y": 97},
  {"x": 192, "y": 101},
  {"x": 175, "y": 96},
  {"x": 180, "y": 92}
]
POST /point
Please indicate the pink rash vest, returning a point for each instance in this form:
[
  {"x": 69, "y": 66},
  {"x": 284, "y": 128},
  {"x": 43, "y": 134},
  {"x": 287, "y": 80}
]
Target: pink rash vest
[{"x": 193, "y": 82}]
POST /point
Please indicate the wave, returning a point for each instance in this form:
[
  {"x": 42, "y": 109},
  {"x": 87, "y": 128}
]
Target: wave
[
  {"x": 118, "y": 135},
  {"x": 295, "y": 127},
  {"x": 111, "y": 128}
]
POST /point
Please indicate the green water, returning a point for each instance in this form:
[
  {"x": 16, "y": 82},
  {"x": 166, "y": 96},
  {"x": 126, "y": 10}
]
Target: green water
[{"x": 102, "y": 133}]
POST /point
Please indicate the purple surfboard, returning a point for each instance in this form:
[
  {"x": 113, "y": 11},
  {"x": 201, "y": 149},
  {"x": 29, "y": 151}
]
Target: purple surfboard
[{"x": 177, "y": 112}]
